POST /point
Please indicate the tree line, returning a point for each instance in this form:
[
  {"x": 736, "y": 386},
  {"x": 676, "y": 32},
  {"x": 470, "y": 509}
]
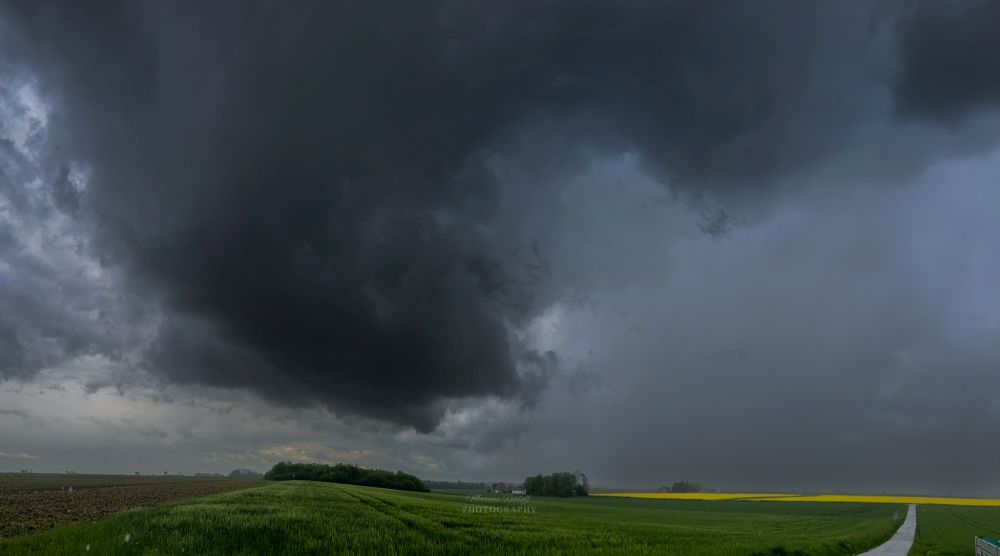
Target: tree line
[
  {"x": 344, "y": 473},
  {"x": 683, "y": 486},
  {"x": 556, "y": 484}
]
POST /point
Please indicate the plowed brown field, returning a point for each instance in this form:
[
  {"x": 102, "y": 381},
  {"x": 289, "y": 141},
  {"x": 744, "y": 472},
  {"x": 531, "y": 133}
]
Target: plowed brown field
[{"x": 39, "y": 504}]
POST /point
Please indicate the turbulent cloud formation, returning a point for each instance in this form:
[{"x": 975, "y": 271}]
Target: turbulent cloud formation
[
  {"x": 306, "y": 191},
  {"x": 489, "y": 221}
]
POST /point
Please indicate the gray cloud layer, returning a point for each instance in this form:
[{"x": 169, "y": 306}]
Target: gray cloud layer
[
  {"x": 948, "y": 60},
  {"x": 378, "y": 208}
]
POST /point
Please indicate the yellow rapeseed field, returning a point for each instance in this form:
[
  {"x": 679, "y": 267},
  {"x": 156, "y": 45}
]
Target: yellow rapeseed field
[{"x": 863, "y": 499}]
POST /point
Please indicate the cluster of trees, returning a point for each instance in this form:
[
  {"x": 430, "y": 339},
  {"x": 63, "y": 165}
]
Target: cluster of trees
[
  {"x": 556, "y": 484},
  {"x": 683, "y": 486},
  {"x": 344, "y": 473}
]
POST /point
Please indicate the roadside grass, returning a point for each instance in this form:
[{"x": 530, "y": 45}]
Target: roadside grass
[
  {"x": 951, "y": 530},
  {"x": 305, "y": 518}
]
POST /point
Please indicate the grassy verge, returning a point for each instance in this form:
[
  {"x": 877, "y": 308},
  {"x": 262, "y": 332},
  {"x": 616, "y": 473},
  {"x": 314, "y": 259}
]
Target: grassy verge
[
  {"x": 950, "y": 530},
  {"x": 303, "y": 518}
]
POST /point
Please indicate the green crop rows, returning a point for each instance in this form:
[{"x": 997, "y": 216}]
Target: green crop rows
[{"x": 302, "y": 518}]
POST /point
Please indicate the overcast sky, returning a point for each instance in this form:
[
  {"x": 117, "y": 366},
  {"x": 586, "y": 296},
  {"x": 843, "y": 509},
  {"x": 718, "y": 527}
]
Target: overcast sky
[{"x": 752, "y": 244}]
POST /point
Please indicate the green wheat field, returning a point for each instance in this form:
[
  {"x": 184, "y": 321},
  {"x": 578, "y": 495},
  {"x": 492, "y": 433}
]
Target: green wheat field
[{"x": 298, "y": 517}]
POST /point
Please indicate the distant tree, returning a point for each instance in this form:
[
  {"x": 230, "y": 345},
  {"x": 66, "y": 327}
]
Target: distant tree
[
  {"x": 582, "y": 484},
  {"x": 533, "y": 485},
  {"x": 557, "y": 484},
  {"x": 685, "y": 486}
]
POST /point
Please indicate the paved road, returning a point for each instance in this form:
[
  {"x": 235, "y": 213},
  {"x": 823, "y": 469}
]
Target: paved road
[{"x": 900, "y": 543}]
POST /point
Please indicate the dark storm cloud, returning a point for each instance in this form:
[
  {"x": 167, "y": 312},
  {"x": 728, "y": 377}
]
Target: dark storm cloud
[
  {"x": 306, "y": 190},
  {"x": 948, "y": 58}
]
